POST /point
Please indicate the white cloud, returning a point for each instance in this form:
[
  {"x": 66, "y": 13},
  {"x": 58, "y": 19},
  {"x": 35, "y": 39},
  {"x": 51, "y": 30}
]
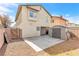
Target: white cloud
[
  {"x": 8, "y": 4},
  {"x": 12, "y": 18},
  {"x": 5, "y": 9},
  {"x": 55, "y": 15},
  {"x": 72, "y": 19},
  {"x": 67, "y": 15}
]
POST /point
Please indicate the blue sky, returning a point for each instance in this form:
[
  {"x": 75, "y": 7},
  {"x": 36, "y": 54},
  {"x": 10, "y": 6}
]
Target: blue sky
[
  {"x": 69, "y": 11},
  {"x": 63, "y": 9},
  {"x": 9, "y": 9}
]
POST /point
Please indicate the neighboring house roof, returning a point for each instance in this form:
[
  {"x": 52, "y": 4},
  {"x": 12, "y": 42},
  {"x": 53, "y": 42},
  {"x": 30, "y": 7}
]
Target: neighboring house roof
[
  {"x": 20, "y": 7},
  {"x": 60, "y": 17}
]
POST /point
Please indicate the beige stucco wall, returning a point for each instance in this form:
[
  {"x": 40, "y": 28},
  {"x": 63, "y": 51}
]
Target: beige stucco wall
[
  {"x": 29, "y": 27},
  {"x": 43, "y": 18}
]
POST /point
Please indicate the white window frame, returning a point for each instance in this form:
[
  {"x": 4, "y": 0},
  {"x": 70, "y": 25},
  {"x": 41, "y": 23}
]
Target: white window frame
[{"x": 33, "y": 14}]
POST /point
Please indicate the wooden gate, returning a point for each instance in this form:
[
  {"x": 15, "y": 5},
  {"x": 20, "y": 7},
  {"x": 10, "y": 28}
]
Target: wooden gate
[{"x": 12, "y": 34}]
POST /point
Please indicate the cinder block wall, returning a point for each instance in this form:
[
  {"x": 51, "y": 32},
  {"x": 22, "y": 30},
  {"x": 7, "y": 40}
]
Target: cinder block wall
[
  {"x": 1, "y": 37},
  {"x": 74, "y": 31}
]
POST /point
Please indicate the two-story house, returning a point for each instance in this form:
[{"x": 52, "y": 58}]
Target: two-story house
[
  {"x": 34, "y": 20},
  {"x": 56, "y": 20}
]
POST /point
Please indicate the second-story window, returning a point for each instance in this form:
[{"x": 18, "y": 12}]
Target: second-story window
[{"x": 33, "y": 14}]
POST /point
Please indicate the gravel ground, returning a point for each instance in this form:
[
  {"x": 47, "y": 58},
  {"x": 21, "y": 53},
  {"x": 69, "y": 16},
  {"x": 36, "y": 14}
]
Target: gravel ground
[
  {"x": 19, "y": 49},
  {"x": 67, "y": 48}
]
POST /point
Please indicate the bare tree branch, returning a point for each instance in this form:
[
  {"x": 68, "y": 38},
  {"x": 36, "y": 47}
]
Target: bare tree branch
[{"x": 5, "y": 20}]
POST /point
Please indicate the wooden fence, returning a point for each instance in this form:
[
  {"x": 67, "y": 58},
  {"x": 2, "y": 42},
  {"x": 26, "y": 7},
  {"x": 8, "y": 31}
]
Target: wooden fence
[{"x": 12, "y": 34}]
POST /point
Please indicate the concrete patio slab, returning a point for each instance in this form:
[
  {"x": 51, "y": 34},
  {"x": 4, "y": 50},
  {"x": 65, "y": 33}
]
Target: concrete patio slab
[{"x": 42, "y": 42}]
